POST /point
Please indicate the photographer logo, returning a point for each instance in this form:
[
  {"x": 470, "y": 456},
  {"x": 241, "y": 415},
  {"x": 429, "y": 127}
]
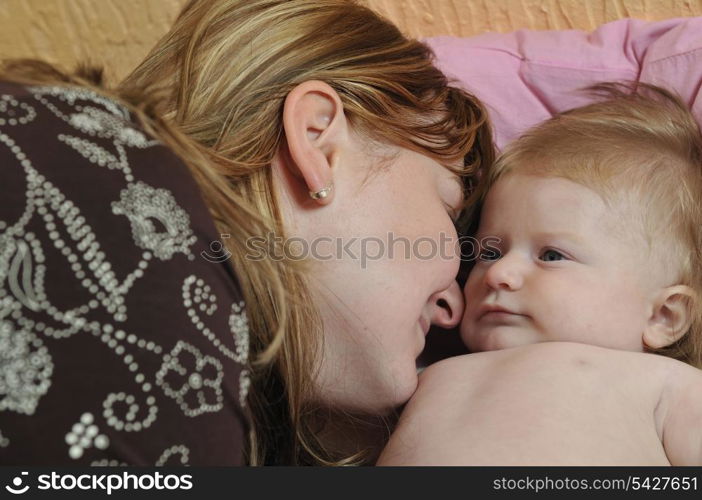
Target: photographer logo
[{"x": 16, "y": 488}]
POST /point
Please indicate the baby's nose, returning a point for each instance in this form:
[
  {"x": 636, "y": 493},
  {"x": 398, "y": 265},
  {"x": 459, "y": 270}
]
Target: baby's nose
[{"x": 505, "y": 273}]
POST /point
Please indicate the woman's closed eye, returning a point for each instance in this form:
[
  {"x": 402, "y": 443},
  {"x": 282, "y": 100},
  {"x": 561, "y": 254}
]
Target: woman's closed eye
[
  {"x": 454, "y": 213},
  {"x": 489, "y": 254}
]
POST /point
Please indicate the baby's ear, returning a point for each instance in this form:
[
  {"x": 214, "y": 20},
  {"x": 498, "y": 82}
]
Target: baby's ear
[{"x": 671, "y": 317}]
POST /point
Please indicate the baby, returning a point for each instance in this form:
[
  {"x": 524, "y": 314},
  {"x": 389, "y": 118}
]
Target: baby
[{"x": 591, "y": 233}]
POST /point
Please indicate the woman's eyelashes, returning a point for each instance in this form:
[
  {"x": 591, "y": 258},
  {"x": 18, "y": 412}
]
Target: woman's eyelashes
[
  {"x": 453, "y": 212},
  {"x": 487, "y": 248},
  {"x": 489, "y": 254},
  {"x": 453, "y": 197}
]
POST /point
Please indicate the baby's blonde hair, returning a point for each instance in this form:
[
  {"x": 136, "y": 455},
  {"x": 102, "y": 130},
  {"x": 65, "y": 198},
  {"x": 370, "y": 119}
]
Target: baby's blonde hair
[{"x": 638, "y": 145}]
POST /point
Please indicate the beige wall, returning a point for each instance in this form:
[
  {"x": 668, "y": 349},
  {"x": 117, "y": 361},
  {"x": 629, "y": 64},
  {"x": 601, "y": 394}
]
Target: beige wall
[
  {"x": 117, "y": 33},
  {"x": 469, "y": 17}
]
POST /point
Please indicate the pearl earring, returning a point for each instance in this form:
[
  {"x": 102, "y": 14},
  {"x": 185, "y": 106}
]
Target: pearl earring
[{"x": 321, "y": 194}]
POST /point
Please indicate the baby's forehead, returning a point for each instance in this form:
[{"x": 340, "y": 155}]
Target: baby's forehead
[
  {"x": 559, "y": 204},
  {"x": 598, "y": 218},
  {"x": 538, "y": 195}
]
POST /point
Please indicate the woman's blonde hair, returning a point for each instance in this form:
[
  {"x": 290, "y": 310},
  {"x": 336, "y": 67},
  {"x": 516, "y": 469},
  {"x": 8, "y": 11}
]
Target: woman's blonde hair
[
  {"x": 213, "y": 88},
  {"x": 638, "y": 145}
]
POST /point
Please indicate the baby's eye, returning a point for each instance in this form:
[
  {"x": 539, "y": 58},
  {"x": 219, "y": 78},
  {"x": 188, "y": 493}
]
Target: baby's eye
[{"x": 551, "y": 255}]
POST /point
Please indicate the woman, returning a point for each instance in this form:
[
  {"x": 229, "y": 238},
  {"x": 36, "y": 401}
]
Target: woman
[
  {"x": 353, "y": 334},
  {"x": 288, "y": 107},
  {"x": 311, "y": 133}
]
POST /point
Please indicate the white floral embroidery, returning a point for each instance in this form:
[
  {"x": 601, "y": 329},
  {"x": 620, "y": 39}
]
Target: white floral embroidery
[
  {"x": 244, "y": 385},
  {"x": 239, "y": 325},
  {"x": 13, "y": 112},
  {"x": 143, "y": 204},
  {"x": 95, "y": 121},
  {"x": 108, "y": 462},
  {"x": 84, "y": 254},
  {"x": 197, "y": 390},
  {"x": 25, "y": 369},
  {"x": 26, "y": 365},
  {"x": 4, "y": 442},
  {"x": 71, "y": 95},
  {"x": 22, "y": 273},
  {"x": 198, "y": 295},
  {"x": 94, "y": 153},
  {"x": 83, "y": 435},
  {"x": 21, "y": 265},
  {"x": 175, "y": 450},
  {"x": 111, "y": 123},
  {"x": 121, "y": 411},
  {"x": 159, "y": 226}
]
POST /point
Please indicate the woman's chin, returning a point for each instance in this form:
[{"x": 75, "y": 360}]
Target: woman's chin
[
  {"x": 405, "y": 386},
  {"x": 401, "y": 385}
]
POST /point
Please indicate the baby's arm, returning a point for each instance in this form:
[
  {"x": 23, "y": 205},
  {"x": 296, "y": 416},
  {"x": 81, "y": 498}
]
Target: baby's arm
[
  {"x": 544, "y": 404},
  {"x": 681, "y": 415}
]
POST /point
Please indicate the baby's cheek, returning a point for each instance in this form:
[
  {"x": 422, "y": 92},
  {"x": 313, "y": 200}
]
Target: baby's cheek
[
  {"x": 464, "y": 328},
  {"x": 556, "y": 324},
  {"x": 471, "y": 290},
  {"x": 574, "y": 325},
  {"x": 472, "y": 302}
]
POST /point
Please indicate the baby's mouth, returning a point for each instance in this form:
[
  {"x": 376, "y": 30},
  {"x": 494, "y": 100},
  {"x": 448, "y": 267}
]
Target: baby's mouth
[
  {"x": 495, "y": 311},
  {"x": 499, "y": 316}
]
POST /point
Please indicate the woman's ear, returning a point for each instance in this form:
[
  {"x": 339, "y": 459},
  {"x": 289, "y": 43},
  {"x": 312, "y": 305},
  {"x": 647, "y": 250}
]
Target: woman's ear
[
  {"x": 671, "y": 317},
  {"x": 315, "y": 130}
]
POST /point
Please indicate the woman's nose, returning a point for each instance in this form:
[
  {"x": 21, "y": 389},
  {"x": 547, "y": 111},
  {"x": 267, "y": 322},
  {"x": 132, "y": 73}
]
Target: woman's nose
[
  {"x": 447, "y": 306},
  {"x": 505, "y": 274}
]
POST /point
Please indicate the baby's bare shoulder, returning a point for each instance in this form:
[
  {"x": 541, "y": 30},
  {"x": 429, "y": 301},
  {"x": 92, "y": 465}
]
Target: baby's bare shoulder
[
  {"x": 558, "y": 361},
  {"x": 549, "y": 356},
  {"x": 466, "y": 407},
  {"x": 680, "y": 415},
  {"x": 554, "y": 374}
]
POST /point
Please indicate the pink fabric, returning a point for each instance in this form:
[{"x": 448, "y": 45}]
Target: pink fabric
[{"x": 526, "y": 76}]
